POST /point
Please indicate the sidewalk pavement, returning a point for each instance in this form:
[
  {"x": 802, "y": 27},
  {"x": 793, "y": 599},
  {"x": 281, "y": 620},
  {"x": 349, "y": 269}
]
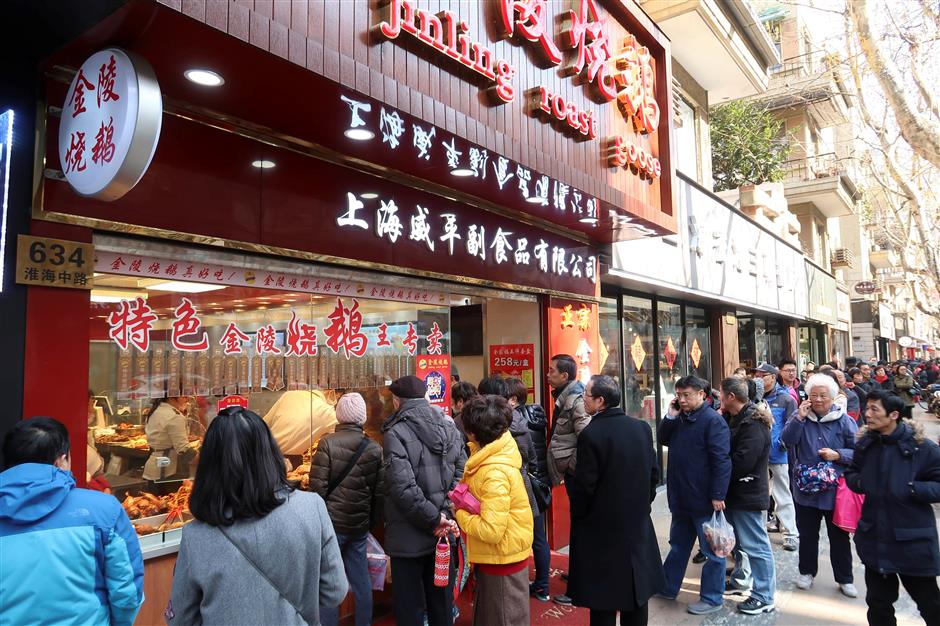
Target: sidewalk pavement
[{"x": 822, "y": 604}]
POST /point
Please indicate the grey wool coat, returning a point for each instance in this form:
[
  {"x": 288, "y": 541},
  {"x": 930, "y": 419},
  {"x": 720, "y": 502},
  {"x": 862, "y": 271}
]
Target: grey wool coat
[{"x": 294, "y": 545}]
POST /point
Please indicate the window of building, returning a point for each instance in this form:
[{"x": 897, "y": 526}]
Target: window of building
[
  {"x": 639, "y": 350},
  {"x": 687, "y": 149},
  {"x": 698, "y": 340}
]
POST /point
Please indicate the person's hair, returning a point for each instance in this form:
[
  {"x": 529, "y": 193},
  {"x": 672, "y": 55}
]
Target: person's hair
[
  {"x": 808, "y": 363},
  {"x": 825, "y": 368},
  {"x": 888, "y": 400},
  {"x": 855, "y": 370},
  {"x": 463, "y": 391},
  {"x": 740, "y": 370},
  {"x": 752, "y": 388},
  {"x": 882, "y": 368},
  {"x": 241, "y": 471},
  {"x": 486, "y": 418},
  {"x": 565, "y": 364},
  {"x": 35, "y": 440},
  {"x": 851, "y": 361},
  {"x": 515, "y": 388},
  {"x": 786, "y": 361},
  {"x": 833, "y": 364},
  {"x": 693, "y": 382},
  {"x": 493, "y": 386},
  {"x": 737, "y": 387},
  {"x": 607, "y": 389},
  {"x": 822, "y": 380},
  {"x": 834, "y": 374}
]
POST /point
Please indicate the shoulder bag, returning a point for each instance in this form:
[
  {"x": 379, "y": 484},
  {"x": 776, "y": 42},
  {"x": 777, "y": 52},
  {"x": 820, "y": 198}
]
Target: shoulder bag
[{"x": 352, "y": 463}]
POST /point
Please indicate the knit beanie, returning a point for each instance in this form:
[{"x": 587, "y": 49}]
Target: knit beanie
[{"x": 351, "y": 409}]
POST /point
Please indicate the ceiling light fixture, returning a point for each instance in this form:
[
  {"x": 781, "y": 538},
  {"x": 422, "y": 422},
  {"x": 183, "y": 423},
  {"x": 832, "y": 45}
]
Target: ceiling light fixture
[
  {"x": 462, "y": 172},
  {"x": 206, "y": 78},
  {"x": 588, "y": 220},
  {"x": 359, "y": 134},
  {"x": 369, "y": 195},
  {"x": 263, "y": 164},
  {"x": 183, "y": 287}
]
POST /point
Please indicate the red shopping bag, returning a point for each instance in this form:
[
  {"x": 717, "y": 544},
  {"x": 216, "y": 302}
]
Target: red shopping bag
[{"x": 848, "y": 509}]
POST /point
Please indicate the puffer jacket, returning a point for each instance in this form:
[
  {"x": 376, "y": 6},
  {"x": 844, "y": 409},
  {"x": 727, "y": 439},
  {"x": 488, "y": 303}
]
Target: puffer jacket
[
  {"x": 568, "y": 420},
  {"x": 902, "y": 387},
  {"x": 424, "y": 461},
  {"x": 519, "y": 429},
  {"x": 900, "y": 477},
  {"x": 835, "y": 430},
  {"x": 538, "y": 430},
  {"x": 356, "y": 504},
  {"x": 502, "y": 532},
  {"x": 750, "y": 452},
  {"x": 67, "y": 555},
  {"x": 782, "y": 407}
]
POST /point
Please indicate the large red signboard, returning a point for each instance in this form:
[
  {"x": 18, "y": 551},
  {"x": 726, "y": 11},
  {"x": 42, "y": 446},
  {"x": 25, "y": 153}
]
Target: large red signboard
[{"x": 516, "y": 360}]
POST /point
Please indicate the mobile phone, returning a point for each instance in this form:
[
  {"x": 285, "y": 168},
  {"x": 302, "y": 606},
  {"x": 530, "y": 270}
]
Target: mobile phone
[{"x": 675, "y": 403}]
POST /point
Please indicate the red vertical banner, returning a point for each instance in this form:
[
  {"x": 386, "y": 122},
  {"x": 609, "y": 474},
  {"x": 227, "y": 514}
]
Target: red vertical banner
[
  {"x": 515, "y": 360},
  {"x": 434, "y": 370},
  {"x": 572, "y": 328}
]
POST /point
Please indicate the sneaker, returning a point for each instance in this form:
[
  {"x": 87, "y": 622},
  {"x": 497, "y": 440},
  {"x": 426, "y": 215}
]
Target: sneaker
[
  {"x": 773, "y": 525},
  {"x": 731, "y": 587},
  {"x": 699, "y": 558},
  {"x": 848, "y": 590},
  {"x": 663, "y": 596},
  {"x": 703, "y": 608},
  {"x": 791, "y": 544},
  {"x": 804, "y": 581},
  {"x": 562, "y": 599},
  {"x": 753, "y": 606},
  {"x": 538, "y": 594}
]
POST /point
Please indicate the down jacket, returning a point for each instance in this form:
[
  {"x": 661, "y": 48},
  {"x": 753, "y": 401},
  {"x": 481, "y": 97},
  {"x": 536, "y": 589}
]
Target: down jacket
[
  {"x": 424, "y": 461},
  {"x": 519, "y": 429},
  {"x": 502, "y": 533},
  {"x": 750, "y": 452},
  {"x": 782, "y": 407},
  {"x": 568, "y": 420},
  {"x": 356, "y": 504},
  {"x": 900, "y": 477}
]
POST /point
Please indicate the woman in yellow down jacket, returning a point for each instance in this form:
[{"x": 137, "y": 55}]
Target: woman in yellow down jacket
[{"x": 499, "y": 538}]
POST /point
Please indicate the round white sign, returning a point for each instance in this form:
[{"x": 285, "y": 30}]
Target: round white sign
[
  {"x": 906, "y": 342},
  {"x": 110, "y": 124}
]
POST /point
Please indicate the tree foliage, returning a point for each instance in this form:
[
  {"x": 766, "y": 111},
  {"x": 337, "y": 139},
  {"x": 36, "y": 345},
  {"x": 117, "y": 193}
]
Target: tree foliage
[{"x": 746, "y": 145}]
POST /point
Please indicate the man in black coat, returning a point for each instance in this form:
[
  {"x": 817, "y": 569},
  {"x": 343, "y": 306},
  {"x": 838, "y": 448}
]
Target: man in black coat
[
  {"x": 614, "y": 563},
  {"x": 898, "y": 471},
  {"x": 748, "y": 493}
]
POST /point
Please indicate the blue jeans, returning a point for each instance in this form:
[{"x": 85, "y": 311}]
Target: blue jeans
[
  {"x": 755, "y": 559},
  {"x": 543, "y": 555},
  {"x": 682, "y": 534},
  {"x": 353, "y": 549}
]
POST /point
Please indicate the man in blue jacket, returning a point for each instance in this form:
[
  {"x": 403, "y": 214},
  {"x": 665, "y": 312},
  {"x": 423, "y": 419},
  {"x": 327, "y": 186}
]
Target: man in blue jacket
[
  {"x": 67, "y": 555},
  {"x": 782, "y": 407},
  {"x": 697, "y": 478}
]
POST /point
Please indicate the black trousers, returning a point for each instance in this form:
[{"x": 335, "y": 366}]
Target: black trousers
[
  {"x": 840, "y": 547},
  {"x": 413, "y": 590},
  {"x": 883, "y": 593},
  {"x": 639, "y": 617}
]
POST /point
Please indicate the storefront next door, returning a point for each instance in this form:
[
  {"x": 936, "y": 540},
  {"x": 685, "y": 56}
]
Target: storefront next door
[{"x": 812, "y": 345}]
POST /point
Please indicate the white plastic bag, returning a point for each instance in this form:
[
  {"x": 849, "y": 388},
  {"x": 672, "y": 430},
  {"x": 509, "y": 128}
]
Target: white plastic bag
[
  {"x": 378, "y": 562},
  {"x": 720, "y": 534}
]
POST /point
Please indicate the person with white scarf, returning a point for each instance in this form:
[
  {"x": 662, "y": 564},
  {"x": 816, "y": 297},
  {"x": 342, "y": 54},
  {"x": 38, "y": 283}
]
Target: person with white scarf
[{"x": 821, "y": 431}]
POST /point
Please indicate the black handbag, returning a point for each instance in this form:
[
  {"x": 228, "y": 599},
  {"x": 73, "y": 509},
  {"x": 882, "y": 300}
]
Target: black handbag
[{"x": 541, "y": 492}]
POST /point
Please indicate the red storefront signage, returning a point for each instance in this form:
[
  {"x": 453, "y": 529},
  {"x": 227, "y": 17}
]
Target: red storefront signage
[
  {"x": 573, "y": 330},
  {"x": 434, "y": 370},
  {"x": 515, "y": 360}
]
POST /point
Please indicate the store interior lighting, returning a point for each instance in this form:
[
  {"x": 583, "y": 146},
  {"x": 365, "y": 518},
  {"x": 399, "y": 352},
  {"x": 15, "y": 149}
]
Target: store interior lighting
[
  {"x": 206, "y": 78},
  {"x": 359, "y": 134},
  {"x": 183, "y": 287},
  {"x": 369, "y": 195},
  {"x": 462, "y": 172},
  {"x": 263, "y": 164},
  {"x": 110, "y": 296}
]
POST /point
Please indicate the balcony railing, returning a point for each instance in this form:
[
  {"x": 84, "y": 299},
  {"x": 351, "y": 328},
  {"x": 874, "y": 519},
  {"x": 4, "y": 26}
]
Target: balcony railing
[
  {"x": 805, "y": 65},
  {"x": 811, "y": 168}
]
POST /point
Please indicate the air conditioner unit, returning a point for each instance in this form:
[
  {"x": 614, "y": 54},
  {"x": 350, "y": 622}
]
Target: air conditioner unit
[{"x": 843, "y": 257}]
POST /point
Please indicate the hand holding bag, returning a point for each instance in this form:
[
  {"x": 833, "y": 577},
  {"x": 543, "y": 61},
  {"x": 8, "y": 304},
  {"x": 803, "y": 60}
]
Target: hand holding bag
[
  {"x": 463, "y": 499},
  {"x": 720, "y": 534}
]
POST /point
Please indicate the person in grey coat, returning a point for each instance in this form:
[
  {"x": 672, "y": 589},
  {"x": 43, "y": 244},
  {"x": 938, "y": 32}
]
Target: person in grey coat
[
  {"x": 424, "y": 461},
  {"x": 232, "y": 566}
]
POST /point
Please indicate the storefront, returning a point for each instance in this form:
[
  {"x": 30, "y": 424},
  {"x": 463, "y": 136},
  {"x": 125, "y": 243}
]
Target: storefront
[
  {"x": 398, "y": 201},
  {"x": 814, "y": 340}
]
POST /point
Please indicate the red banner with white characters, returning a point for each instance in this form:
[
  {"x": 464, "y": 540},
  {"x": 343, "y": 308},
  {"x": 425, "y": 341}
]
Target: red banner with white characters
[
  {"x": 515, "y": 360},
  {"x": 434, "y": 370},
  {"x": 573, "y": 329},
  {"x": 216, "y": 274}
]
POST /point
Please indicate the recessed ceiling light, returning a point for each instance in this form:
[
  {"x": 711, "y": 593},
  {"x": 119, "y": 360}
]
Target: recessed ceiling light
[
  {"x": 359, "y": 134},
  {"x": 369, "y": 195},
  {"x": 263, "y": 164},
  {"x": 206, "y": 78},
  {"x": 535, "y": 199},
  {"x": 588, "y": 220},
  {"x": 462, "y": 172}
]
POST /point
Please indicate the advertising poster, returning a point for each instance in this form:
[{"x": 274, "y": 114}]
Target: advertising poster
[
  {"x": 434, "y": 370},
  {"x": 515, "y": 360}
]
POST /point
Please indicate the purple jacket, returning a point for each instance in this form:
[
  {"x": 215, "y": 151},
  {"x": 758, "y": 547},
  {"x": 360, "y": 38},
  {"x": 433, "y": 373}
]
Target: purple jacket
[{"x": 836, "y": 430}]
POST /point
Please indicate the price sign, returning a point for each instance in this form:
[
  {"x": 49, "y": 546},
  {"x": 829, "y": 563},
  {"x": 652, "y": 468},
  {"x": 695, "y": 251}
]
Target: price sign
[{"x": 54, "y": 262}]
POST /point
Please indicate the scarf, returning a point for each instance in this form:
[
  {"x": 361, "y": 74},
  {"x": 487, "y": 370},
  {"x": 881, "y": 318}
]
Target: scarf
[{"x": 881, "y": 379}]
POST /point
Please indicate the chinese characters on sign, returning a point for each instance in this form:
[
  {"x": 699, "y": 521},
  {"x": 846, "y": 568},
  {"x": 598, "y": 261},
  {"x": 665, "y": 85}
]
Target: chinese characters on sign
[
  {"x": 54, "y": 262},
  {"x": 113, "y": 110},
  {"x": 572, "y": 329},
  {"x": 515, "y": 360}
]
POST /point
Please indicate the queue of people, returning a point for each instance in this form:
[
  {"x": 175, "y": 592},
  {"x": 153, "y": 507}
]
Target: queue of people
[{"x": 486, "y": 475}]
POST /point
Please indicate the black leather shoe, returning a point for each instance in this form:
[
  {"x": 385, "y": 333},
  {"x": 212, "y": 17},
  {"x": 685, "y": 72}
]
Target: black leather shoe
[
  {"x": 699, "y": 558},
  {"x": 562, "y": 599}
]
